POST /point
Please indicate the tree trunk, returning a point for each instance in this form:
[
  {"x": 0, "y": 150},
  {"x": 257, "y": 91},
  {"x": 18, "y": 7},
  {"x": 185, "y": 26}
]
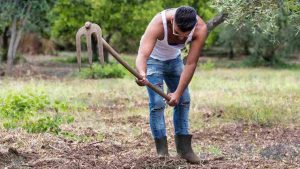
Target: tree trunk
[
  {"x": 15, "y": 39},
  {"x": 17, "y": 42},
  {"x": 10, "y": 56},
  {"x": 94, "y": 47},
  {"x": 268, "y": 55},
  {"x": 246, "y": 49},
  {"x": 231, "y": 52},
  {"x": 5, "y": 44},
  {"x": 13, "y": 45}
]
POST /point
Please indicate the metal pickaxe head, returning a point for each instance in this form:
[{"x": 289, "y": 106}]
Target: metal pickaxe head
[{"x": 88, "y": 30}]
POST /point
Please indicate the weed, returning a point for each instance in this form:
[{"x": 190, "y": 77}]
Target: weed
[
  {"x": 214, "y": 150},
  {"x": 208, "y": 65},
  {"x": 103, "y": 71},
  {"x": 81, "y": 138},
  {"x": 20, "y": 109}
]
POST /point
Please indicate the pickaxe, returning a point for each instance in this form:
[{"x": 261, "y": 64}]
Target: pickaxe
[{"x": 88, "y": 29}]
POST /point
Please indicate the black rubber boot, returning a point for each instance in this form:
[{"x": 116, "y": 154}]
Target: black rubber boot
[
  {"x": 162, "y": 147},
  {"x": 184, "y": 148}
]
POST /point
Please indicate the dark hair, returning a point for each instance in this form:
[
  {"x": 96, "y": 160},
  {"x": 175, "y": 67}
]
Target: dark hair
[{"x": 185, "y": 18}]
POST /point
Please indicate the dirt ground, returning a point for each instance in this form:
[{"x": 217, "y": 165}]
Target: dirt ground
[
  {"x": 241, "y": 146},
  {"x": 221, "y": 147}
]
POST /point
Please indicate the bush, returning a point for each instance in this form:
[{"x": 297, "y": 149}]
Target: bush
[
  {"x": 276, "y": 62},
  {"x": 19, "y": 109},
  {"x": 19, "y": 106},
  {"x": 103, "y": 71},
  {"x": 208, "y": 65},
  {"x": 47, "y": 124}
]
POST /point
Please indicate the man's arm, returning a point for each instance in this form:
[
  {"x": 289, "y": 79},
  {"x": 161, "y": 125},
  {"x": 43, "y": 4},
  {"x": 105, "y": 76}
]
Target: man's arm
[
  {"x": 191, "y": 64},
  {"x": 147, "y": 44}
]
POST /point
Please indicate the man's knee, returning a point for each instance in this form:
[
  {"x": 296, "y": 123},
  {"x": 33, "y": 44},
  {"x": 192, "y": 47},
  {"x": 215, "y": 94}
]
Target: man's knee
[
  {"x": 157, "y": 105},
  {"x": 185, "y": 99}
]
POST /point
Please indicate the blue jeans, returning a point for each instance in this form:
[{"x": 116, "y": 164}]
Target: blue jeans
[{"x": 168, "y": 71}]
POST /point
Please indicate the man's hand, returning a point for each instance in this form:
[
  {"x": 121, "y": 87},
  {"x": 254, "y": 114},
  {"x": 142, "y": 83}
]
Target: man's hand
[
  {"x": 174, "y": 99},
  {"x": 143, "y": 81}
]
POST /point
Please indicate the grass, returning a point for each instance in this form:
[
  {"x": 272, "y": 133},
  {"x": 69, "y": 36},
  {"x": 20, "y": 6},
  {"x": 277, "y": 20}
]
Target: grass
[
  {"x": 255, "y": 96},
  {"x": 208, "y": 63},
  {"x": 70, "y": 57},
  {"x": 214, "y": 150},
  {"x": 81, "y": 138},
  {"x": 29, "y": 109},
  {"x": 260, "y": 96}
]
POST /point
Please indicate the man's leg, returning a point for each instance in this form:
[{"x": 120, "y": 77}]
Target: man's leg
[
  {"x": 181, "y": 114},
  {"x": 156, "y": 108},
  {"x": 181, "y": 110},
  {"x": 183, "y": 139}
]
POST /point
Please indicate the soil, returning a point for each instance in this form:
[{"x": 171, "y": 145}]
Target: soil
[
  {"x": 241, "y": 146},
  {"x": 222, "y": 147}
]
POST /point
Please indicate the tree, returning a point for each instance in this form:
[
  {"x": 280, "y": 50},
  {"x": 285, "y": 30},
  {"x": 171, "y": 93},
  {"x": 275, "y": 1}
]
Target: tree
[
  {"x": 263, "y": 14},
  {"x": 123, "y": 22},
  {"x": 66, "y": 17},
  {"x": 18, "y": 16},
  {"x": 274, "y": 26},
  {"x": 119, "y": 20},
  {"x": 114, "y": 17}
]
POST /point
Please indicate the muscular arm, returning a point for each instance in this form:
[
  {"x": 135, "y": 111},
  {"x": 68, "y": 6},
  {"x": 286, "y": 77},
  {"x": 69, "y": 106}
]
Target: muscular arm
[
  {"x": 147, "y": 43},
  {"x": 192, "y": 59}
]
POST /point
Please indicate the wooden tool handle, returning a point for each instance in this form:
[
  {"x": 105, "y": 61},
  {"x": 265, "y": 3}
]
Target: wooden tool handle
[{"x": 131, "y": 70}]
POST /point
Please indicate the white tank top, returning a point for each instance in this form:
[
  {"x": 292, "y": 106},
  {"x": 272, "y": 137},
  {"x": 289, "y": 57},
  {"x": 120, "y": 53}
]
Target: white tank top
[{"x": 162, "y": 50}]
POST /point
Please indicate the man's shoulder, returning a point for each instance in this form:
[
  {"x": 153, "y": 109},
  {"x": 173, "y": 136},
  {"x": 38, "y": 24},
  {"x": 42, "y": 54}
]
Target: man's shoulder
[
  {"x": 156, "y": 25},
  {"x": 201, "y": 28},
  {"x": 157, "y": 19}
]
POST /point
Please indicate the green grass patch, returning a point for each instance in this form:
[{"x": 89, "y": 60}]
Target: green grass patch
[
  {"x": 21, "y": 105},
  {"x": 81, "y": 138},
  {"x": 47, "y": 124},
  {"x": 98, "y": 71},
  {"x": 255, "y": 96},
  {"x": 214, "y": 150},
  {"x": 208, "y": 65},
  {"x": 71, "y": 58},
  {"x": 68, "y": 59},
  {"x": 26, "y": 109}
]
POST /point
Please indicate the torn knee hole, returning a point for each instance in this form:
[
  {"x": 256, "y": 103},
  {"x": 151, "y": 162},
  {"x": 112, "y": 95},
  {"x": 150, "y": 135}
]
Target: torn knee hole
[
  {"x": 185, "y": 103},
  {"x": 158, "y": 108}
]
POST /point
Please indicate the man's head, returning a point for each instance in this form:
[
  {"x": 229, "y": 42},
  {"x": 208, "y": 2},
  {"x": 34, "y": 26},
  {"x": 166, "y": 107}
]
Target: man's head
[{"x": 185, "y": 18}]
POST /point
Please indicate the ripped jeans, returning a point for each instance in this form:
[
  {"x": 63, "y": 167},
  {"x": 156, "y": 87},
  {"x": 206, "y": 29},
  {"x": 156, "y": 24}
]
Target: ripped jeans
[{"x": 168, "y": 71}]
